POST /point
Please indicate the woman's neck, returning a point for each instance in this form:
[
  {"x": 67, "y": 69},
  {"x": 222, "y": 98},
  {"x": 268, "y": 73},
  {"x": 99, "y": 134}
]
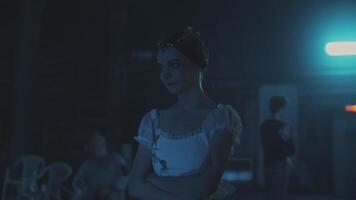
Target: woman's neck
[{"x": 192, "y": 98}]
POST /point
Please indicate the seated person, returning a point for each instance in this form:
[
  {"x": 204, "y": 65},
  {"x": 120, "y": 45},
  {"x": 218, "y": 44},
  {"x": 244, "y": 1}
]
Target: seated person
[{"x": 101, "y": 175}]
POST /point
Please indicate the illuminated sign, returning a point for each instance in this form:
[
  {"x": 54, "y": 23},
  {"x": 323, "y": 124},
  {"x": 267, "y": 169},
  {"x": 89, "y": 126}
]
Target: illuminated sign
[
  {"x": 350, "y": 108},
  {"x": 341, "y": 48}
]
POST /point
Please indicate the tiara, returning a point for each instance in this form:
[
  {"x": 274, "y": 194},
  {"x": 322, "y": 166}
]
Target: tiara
[{"x": 188, "y": 32}]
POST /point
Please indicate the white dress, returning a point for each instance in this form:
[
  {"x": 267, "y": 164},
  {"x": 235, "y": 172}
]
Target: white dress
[{"x": 187, "y": 153}]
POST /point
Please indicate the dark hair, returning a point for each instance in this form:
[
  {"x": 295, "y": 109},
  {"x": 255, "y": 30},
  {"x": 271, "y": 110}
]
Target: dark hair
[
  {"x": 189, "y": 44},
  {"x": 276, "y": 103}
]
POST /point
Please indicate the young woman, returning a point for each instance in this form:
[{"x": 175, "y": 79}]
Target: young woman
[{"x": 183, "y": 149}]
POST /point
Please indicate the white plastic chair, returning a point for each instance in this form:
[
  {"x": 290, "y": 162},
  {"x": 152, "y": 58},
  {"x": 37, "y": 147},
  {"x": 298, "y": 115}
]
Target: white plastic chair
[
  {"x": 30, "y": 167},
  {"x": 57, "y": 173}
]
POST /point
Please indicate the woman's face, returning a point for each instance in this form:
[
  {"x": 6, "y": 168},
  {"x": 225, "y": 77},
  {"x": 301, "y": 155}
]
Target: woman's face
[{"x": 178, "y": 73}]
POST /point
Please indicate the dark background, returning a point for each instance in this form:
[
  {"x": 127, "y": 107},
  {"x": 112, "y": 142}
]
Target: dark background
[{"x": 69, "y": 68}]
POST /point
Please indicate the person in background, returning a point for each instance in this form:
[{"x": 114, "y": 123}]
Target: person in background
[
  {"x": 100, "y": 176},
  {"x": 277, "y": 147}
]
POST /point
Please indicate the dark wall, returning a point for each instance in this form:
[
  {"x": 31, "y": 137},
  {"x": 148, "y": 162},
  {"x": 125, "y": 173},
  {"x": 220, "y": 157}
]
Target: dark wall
[{"x": 84, "y": 75}]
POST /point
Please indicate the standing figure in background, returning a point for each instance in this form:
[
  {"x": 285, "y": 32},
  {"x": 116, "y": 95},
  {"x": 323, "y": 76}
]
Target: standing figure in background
[
  {"x": 99, "y": 177},
  {"x": 277, "y": 147}
]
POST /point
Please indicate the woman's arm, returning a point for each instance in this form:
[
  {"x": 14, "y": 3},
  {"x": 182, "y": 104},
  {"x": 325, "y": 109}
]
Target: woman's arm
[
  {"x": 138, "y": 186},
  {"x": 206, "y": 182}
]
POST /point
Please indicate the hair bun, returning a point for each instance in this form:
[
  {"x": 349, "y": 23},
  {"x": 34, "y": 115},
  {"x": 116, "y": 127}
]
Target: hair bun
[{"x": 190, "y": 44}]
